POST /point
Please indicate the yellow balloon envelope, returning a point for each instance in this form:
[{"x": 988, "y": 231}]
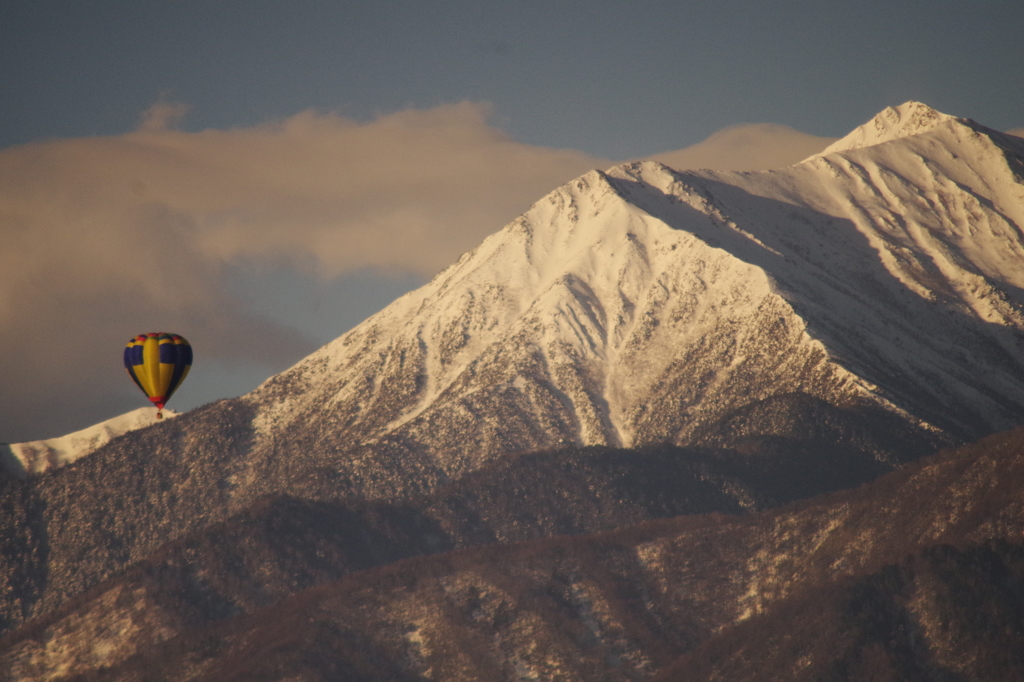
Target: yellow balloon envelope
[{"x": 158, "y": 363}]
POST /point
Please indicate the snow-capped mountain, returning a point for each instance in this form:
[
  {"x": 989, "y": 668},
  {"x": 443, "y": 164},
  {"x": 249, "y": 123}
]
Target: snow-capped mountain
[
  {"x": 645, "y": 304},
  {"x": 797, "y": 330},
  {"x": 35, "y": 457}
]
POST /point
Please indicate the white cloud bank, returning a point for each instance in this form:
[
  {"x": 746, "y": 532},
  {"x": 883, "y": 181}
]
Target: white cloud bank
[{"x": 107, "y": 237}]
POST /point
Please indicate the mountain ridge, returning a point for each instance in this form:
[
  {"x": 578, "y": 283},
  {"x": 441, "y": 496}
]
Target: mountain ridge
[
  {"x": 35, "y": 457},
  {"x": 862, "y": 308},
  {"x": 892, "y": 123},
  {"x": 594, "y": 255},
  {"x": 577, "y": 278},
  {"x": 624, "y": 604}
]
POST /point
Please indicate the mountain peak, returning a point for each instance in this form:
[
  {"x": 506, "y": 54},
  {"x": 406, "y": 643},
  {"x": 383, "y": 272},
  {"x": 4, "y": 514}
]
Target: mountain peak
[{"x": 909, "y": 118}]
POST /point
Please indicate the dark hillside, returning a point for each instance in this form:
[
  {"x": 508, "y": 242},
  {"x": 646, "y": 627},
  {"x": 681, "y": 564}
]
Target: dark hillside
[
  {"x": 283, "y": 544},
  {"x": 75, "y": 527},
  {"x": 65, "y": 530},
  {"x": 941, "y": 614},
  {"x": 625, "y": 604}
]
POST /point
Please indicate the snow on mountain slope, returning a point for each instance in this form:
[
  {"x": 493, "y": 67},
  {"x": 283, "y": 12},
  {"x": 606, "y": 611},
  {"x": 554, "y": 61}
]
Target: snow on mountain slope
[
  {"x": 645, "y": 304},
  {"x": 910, "y": 118},
  {"x": 35, "y": 457},
  {"x": 911, "y": 265},
  {"x": 642, "y": 304}
]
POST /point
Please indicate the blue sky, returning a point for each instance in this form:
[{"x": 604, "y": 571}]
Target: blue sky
[
  {"x": 248, "y": 130},
  {"x": 613, "y": 79}
]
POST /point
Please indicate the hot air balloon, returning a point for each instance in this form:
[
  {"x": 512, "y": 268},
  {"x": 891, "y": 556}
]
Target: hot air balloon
[{"x": 158, "y": 363}]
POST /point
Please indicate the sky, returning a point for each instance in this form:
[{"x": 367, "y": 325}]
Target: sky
[{"x": 261, "y": 176}]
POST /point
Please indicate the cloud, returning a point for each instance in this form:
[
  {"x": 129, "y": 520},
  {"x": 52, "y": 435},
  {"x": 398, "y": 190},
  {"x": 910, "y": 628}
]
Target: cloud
[
  {"x": 106, "y": 237},
  {"x": 409, "y": 191},
  {"x": 162, "y": 115},
  {"x": 760, "y": 146}
]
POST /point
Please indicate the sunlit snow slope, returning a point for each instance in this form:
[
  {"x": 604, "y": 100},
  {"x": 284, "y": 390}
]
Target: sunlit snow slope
[
  {"x": 643, "y": 304},
  {"x": 38, "y": 456}
]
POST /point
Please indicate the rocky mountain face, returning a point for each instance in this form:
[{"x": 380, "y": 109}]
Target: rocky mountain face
[
  {"x": 916, "y": 576},
  {"x": 643, "y": 304},
  {"x": 643, "y": 343}
]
